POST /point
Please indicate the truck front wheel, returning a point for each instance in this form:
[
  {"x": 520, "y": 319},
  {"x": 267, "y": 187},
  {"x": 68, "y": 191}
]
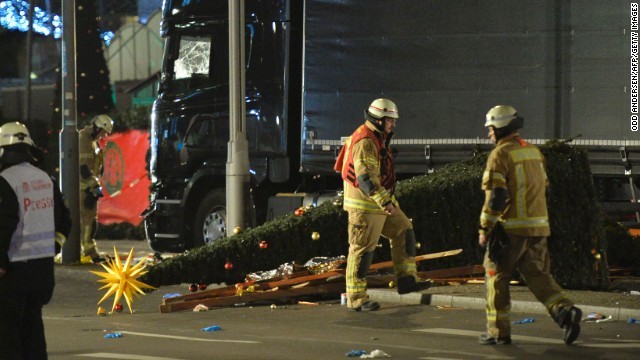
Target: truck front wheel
[{"x": 210, "y": 222}]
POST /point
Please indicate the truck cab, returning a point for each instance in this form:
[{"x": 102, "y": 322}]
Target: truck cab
[{"x": 190, "y": 118}]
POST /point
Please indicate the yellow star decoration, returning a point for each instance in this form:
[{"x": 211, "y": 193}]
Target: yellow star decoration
[{"x": 121, "y": 279}]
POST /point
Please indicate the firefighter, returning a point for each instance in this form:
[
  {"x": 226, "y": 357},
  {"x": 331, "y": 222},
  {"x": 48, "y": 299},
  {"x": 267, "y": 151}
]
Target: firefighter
[
  {"x": 91, "y": 162},
  {"x": 515, "y": 182},
  {"x": 31, "y": 214},
  {"x": 366, "y": 166}
]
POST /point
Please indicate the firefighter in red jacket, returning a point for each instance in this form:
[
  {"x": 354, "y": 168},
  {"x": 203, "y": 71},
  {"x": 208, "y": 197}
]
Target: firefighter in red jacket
[
  {"x": 515, "y": 182},
  {"x": 366, "y": 166}
]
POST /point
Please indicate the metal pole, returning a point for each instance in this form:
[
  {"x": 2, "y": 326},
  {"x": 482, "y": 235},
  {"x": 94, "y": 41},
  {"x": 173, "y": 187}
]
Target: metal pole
[
  {"x": 238, "y": 147},
  {"x": 27, "y": 83},
  {"x": 69, "y": 157}
]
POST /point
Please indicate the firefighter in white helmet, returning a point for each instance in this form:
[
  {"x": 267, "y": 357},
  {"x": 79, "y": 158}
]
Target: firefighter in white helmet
[
  {"x": 366, "y": 165},
  {"x": 32, "y": 211},
  {"x": 514, "y": 218},
  {"x": 91, "y": 164}
]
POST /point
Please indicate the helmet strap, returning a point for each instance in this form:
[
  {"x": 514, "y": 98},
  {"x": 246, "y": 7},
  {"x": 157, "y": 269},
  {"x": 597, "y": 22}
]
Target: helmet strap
[{"x": 378, "y": 123}]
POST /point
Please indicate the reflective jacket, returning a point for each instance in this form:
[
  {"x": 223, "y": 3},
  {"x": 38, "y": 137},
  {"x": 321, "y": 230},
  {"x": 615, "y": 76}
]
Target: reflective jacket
[
  {"x": 90, "y": 159},
  {"x": 365, "y": 155},
  {"x": 518, "y": 167}
]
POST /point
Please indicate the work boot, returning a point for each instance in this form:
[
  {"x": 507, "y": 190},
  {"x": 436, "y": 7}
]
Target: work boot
[
  {"x": 366, "y": 306},
  {"x": 486, "y": 339},
  {"x": 569, "y": 320},
  {"x": 407, "y": 284}
]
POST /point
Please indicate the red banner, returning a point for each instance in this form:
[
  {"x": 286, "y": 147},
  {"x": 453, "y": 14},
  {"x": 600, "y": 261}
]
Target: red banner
[{"x": 125, "y": 182}]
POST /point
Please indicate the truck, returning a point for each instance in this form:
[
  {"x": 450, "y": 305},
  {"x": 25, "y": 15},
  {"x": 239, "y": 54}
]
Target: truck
[{"x": 313, "y": 66}]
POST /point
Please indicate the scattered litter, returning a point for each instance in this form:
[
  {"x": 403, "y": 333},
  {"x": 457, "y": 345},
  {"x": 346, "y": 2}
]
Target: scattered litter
[
  {"x": 375, "y": 354},
  {"x": 633, "y": 321},
  {"x": 308, "y": 303},
  {"x": 211, "y": 328},
  {"x": 171, "y": 295},
  {"x": 274, "y": 306},
  {"x": 605, "y": 319},
  {"x": 447, "y": 307},
  {"x": 343, "y": 299},
  {"x": 524, "y": 321},
  {"x": 200, "y": 307},
  {"x": 634, "y": 292},
  {"x": 355, "y": 353},
  {"x": 596, "y": 317},
  {"x": 112, "y": 335}
]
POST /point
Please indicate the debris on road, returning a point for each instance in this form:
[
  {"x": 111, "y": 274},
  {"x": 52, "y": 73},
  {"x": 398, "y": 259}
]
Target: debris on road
[{"x": 321, "y": 277}]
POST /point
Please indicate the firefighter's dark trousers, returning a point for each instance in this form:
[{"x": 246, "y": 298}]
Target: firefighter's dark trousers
[
  {"x": 364, "y": 233},
  {"x": 528, "y": 255}
]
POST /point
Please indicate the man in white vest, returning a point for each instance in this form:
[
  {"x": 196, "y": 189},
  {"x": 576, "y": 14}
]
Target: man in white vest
[{"x": 32, "y": 210}]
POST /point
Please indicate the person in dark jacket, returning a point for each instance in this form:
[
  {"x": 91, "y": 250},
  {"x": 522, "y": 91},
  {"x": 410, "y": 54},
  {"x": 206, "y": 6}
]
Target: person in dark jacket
[{"x": 32, "y": 211}]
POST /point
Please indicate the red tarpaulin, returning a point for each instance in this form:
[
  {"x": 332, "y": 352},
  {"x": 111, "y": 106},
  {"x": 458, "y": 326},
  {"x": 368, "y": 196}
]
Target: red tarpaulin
[{"x": 125, "y": 183}]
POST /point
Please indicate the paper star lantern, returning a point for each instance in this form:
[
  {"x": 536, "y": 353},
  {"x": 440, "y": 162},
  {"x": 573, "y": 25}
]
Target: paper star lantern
[{"x": 121, "y": 279}]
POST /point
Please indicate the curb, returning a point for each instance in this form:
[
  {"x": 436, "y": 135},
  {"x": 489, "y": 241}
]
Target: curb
[{"x": 479, "y": 303}]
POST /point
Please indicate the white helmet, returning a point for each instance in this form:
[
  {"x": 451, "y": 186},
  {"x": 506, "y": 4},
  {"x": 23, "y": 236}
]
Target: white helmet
[
  {"x": 380, "y": 108},
  {"x": 14, "y": 133},
  {"x": 501, "y": 116},
  {"x": 103, "y": 122}
]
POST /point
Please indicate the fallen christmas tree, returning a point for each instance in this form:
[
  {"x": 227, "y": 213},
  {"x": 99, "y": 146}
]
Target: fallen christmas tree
[{"x": 444, "y": 207}]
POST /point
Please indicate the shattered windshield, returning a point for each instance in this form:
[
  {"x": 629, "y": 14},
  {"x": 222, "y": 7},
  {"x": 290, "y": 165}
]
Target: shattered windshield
[{"x": 193, "y": 57}]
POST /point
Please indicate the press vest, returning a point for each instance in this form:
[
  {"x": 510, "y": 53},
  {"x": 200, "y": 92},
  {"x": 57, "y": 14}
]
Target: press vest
[{"x": 34, "y": 237}]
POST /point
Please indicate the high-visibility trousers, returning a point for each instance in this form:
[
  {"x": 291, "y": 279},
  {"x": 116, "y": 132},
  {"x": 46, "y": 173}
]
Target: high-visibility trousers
[
  {"x": 364, "y": 233},
  {"x": 529, "y": 256}
]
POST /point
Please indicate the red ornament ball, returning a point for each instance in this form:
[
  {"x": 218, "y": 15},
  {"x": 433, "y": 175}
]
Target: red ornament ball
[
  {"x": 118, "y": 308},
  {"x": 202, "y": 285},
  {"x": 228, "y": 265},
  {"x": 263, "y": 245},
  {"x": 299, "y": 212},
  {"x": 193, "y": 287}
]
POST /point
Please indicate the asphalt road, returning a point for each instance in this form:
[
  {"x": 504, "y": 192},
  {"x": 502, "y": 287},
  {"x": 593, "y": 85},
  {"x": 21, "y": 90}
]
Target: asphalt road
[{"x": 293, "y": 331}]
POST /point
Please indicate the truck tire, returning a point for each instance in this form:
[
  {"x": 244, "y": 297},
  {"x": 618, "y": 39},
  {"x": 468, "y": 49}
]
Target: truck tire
[{"x": 210, "y": 223}]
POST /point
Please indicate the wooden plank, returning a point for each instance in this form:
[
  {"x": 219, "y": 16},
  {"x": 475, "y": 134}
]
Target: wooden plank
[
  {"x": 389, "y": 264},
  {"x": 332, "y": 287}
]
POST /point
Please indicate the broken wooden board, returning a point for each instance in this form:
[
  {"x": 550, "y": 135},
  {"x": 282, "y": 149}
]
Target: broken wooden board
[
  {"x": 440, "y": 275},
  {"x": 389, "y": 264}
]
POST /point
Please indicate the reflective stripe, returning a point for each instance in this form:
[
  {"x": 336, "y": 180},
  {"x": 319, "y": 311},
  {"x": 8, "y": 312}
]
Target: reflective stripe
[
  {"x": 380, "y": 196},
  {"x": 521, "y": 192},
  {"x": 554, "y": 299},
  {"x": 517, "y": 223},
  {"x": 489, "y": 217},
  {"x": 408, "y": 267},
  {"x": 525, "y": 154},
  {"x": 494, "y": 176},
  {"x": 361, "y": 204}
]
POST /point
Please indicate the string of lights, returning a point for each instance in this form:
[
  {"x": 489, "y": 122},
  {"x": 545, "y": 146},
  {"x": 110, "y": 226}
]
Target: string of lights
[{"x": 14, "y": 16}]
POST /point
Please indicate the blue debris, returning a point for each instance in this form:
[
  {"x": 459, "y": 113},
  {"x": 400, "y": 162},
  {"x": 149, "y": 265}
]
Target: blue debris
[
  {"x": 633, "y": 321},
  {"x": 355, "y": 353},
  {"x": 171, "y": 295},
  {"x": 112, "y": 335},
  {"x": 524, "y": 321},
  {"x": 211, "y": 328}
]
